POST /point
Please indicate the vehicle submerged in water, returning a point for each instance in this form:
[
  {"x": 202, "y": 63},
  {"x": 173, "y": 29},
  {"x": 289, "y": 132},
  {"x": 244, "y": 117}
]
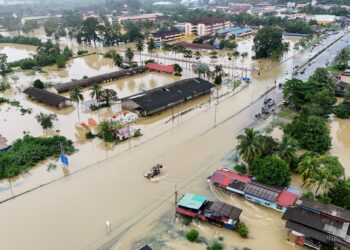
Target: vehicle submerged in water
[{"x": 155, "y": 170}]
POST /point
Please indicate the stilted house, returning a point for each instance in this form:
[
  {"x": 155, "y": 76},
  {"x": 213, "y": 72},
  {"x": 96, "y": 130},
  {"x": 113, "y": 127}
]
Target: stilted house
[
  {"x": 314, "y": 224},
  {"x": 278, "y": 198},
  {"x": 48, "y": 98},
  {"x": 214, "y": 212},
  {"x": 158, "y": 99}
]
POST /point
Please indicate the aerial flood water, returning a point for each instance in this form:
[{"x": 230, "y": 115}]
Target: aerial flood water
[{"x": 105, "y": 182}]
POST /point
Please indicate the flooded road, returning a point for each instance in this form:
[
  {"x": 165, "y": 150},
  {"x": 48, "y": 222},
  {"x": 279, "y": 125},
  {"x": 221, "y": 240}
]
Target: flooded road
[{"x": 70, "y": 213}]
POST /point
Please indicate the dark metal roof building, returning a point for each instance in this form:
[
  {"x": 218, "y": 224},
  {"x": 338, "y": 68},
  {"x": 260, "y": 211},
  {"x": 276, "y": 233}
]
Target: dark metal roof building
[
  {"x": 47, "y": 97},
  {"x": 100, "y": 79},
  {"x": 262, "y": 191},
  {"x": 164, "y": 97}
]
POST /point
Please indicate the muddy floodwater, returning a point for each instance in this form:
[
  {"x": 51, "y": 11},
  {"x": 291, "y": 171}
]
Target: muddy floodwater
[
  {"x": 106, "y": 182},
  {"x": 16, "y": 52}
]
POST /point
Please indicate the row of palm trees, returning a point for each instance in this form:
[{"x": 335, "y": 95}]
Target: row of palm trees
[
  {"x": 97, "y": 92},
  {"x": 319, "y": 172}
]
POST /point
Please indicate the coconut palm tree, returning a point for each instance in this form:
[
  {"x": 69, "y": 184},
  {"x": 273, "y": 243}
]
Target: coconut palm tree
[
  {"x": 108, "y": 95},
  {"x": 96, "y": 91},
  {"x": 308, "y": 168},
  {"x": 197, "y": 55},
  {"x": 129, "y": 54},
  {"x": 151, "y": 46},
  {"x": 322, "y": 180},
  {"x": 249, "y": 146},
  {"x": 287, "y": 149},
  {"x": 218, "y": 70},
  {"x": 140, "y": 47},
  {"x": 118, "y": 59},
  {"x": 76, "y": 95}
]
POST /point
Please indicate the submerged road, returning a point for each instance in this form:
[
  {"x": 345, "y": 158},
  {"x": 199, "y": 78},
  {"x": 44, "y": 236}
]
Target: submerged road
[{"x": 71, "y": 213}]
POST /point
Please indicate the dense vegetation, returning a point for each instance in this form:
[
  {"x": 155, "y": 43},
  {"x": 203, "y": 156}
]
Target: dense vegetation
[
  {"x": 25, "y": 153},
  {"x": 21, "y": 40},
  {"x": 47, "y": 54},
  {"x": 268, "y": 43}
]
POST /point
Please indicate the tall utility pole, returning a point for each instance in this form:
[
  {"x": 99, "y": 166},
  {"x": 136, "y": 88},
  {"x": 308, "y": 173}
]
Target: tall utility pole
[{"x": 175, "y": 194}]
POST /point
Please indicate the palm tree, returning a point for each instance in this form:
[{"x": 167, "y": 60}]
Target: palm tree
[
  {"x": 308, "y": 168},
  {"x": 76, "y": 95},
  {"x": 151, "y": 45},
  {"x": 243, "y": 55},
  {"x": 96, "y": 91},
  {"x": 129, "y": 54},
  {"x": 197, "y": 55},
  {"x": 140, "y": 47},
  {"x": 177, "y": 69},
  {"x": 118, "y": 59},
  {"x": 218, "y": 70},
  {"x": 287, "y": 149},
  {"x": 249, "y": 146},
  {"x": 108, "y": 95},
  {"x": 322, "y": 180}
]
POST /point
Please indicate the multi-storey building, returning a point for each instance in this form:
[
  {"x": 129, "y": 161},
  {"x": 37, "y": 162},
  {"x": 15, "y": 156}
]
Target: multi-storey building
[{"x": 207, "y": 26}]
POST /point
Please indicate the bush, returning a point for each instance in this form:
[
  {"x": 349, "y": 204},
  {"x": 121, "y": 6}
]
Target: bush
[
  {"x": 192, "y": 235},
  {"x": 324, "y": 199},
  {"x": 342, "y": 111},
  {"x": 89, "y": 135},
  {"x": 110, "y": 54},
  {"x": 186, "y": 221},
  {"x": 309, "y": 195},
  {"x": 25, "y": 153},
  {"x": 215, "y": 246},
  {"x": 82, "y": 52},
  {"x": 221, "y": 238},
  {"x": 4, "y": 85},
  {"x": 138, "y": 133},
  {"x": 241, "y": 168},
  {"x": 242, "y": 229},
  {"x": 38, "y": 84}
]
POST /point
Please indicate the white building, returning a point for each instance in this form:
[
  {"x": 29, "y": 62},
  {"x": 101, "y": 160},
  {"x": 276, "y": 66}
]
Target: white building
[{"x": 207, "y": 26}]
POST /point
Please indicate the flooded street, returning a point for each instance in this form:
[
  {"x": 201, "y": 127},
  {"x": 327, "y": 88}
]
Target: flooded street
[{"x": 106, "y": 182}]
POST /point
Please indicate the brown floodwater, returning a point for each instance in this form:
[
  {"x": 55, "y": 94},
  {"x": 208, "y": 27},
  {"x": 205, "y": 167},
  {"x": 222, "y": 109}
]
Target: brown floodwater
[
  {"x": 340, "y": 132},
  {"x": 109, "y": 184},
  {"x": 17, "y": 51}
]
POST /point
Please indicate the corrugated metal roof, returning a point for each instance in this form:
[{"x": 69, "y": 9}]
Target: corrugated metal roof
[{"x": 192, "y": 201}]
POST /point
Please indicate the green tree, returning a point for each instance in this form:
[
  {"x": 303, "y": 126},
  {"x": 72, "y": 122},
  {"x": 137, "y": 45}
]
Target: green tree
[
  {"x": 341, "y": 60},
  {"x": 200, "y": 69},
  {"x": 340, "y": 194},
  {"x": 108, "y": 95},
  {"x": 287, "y": 149},
  {"x": 192, "y": 235},
  {"x": 271, "y": 170},
  {"x": 311, "y": 132},
  {"x": 72, "y": 19},
  {"x": 197, "y": 55},
  {"x": 151, "y": 46},
  {"x": 118, "y": 59},
  {"x": 76, "y": 95},
  {"x": 46, "y": 120},
  {"x": 294, "y": 93},
  {"x": 177, "y": 69},
  {"x": 129, "y": 54},
  {"x": 139, "y": 47},
  {"x": 96, "y": 91},
  {"x": 50, "y": 27},
  {"x": 4, "y": 67},
  {"x": 308, "y": 168},
  {"x": 38, "y": 84},
  {"x": 268, "y": 42},
  {"x": 242, "y": 229},
  {"x": 218, "y": 80},
  {"x": 249, "y": 145},
  {"x": 89, "y": 29}
]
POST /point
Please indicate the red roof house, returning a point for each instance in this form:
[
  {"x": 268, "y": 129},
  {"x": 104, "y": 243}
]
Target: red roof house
[
  {"x": 224, "y": 177},
  {"x": 161, "y": 68},
  {"x": 286, "y": 198}
]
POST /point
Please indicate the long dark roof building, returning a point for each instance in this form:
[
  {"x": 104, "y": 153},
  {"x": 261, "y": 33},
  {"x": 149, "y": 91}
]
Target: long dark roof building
[
  {"x": 100, "y": 79},
  {"x": 47, "y": 97},
  {"x": 316, "y": 222},
  {"x": 164, "y": 97}
]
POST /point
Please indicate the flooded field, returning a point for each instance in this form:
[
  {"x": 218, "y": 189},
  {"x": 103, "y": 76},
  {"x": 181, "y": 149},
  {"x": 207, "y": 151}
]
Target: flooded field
[{"x": 16, "y": 51}]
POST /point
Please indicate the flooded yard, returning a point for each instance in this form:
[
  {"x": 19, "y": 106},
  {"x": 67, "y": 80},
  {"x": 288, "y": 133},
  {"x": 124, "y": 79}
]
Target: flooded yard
[{"x": 17, "y": 51}]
